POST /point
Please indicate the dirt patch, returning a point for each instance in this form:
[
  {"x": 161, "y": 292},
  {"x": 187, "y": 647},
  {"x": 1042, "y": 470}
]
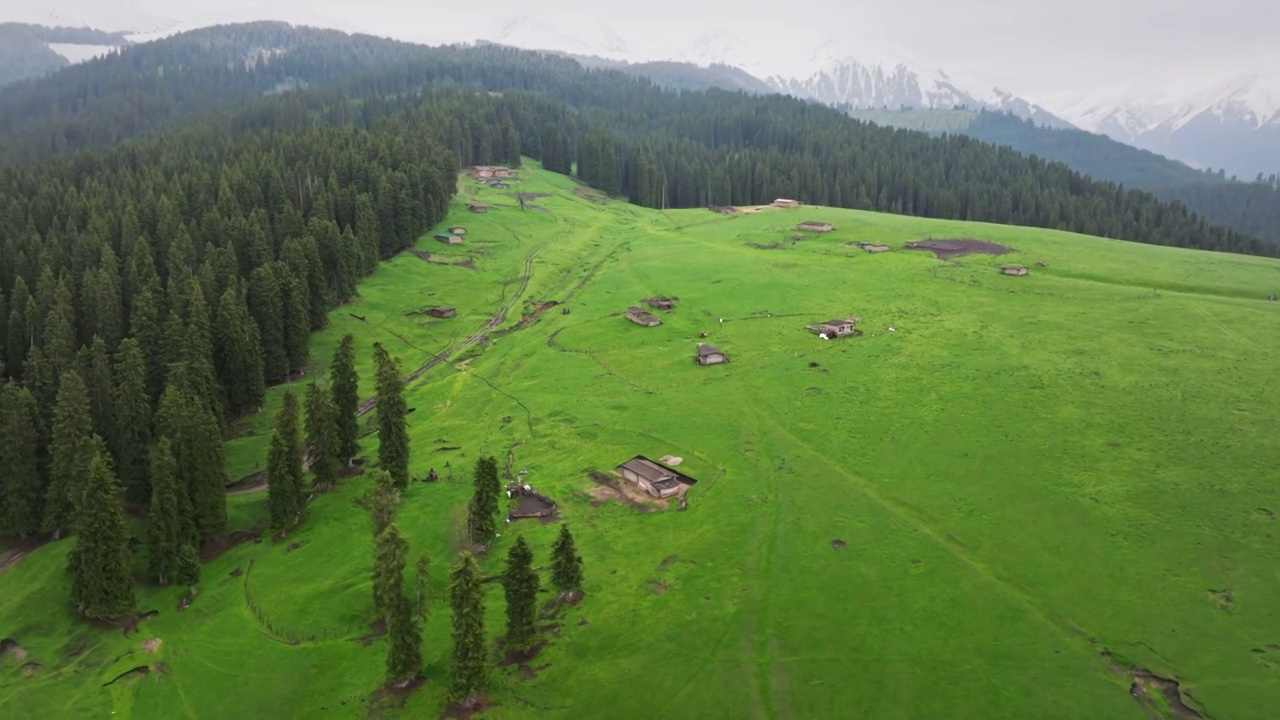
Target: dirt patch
[
  {"x": 527, "y": 195},
  {"x": 9, "y": 648},
  {"x": 658, "y": 587},
  {"x": 30, "y": 669},
  {"x": 447, "y": 448},
  {"x": 152, "y": 645},
  {"x": 249, "y": 484},
  {"x": 521, "y": 658},
  {"x": 770, "y": 246},
  {"x": 1263, "y": 512},
  {"x": 1223, "y": 598},
  {"x": 127, "y": 623},
  {"x": 838, "y": 544},
  {"x": 1146, "y": 683},
  {"x": 667, "y": 562},
  {"x": 556, "y": 605},
  {"x": 532, "y": 317},
  {"x": 467, "y": 708},
  {"x": 377, "y": 629},
  {"x": 753, "y": 210},
  {"x": 590, "y": 195},
  {"x": 211, "y": 549},
  {"x": 947, "y": 249},
  {"x": 395, "y": 696},
  {"x": 609, "y": 488}
]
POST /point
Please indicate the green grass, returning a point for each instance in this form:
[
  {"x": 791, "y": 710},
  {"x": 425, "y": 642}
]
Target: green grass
[{"x": 1026, "y": 472}]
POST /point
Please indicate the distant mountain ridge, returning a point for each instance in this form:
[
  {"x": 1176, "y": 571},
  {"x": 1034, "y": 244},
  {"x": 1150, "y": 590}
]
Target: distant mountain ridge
[{"x": 1233, "y": 125}]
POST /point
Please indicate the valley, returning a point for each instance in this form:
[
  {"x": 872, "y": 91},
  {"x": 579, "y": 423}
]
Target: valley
[{"x": 1045, "y": 496}]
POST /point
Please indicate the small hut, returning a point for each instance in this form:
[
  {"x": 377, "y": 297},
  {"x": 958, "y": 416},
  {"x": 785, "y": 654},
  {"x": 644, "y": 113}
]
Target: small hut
[
  {"x": 449, "y": 239},
  {"x": 457, "y": 230},
  {"x": 874, "y": 247},
  {"x": 836, "y": 328},
  {"x": 710, "y": 355},
  {"x": 660, "y": 303},
  {"x": 786, "y": 203},
  {"x": 442, "y": 311},
  {"x": 1013, "y": 269},
  {"x": 642, "y": 317},
  {"x": 529, "y": 504},
  {"x": 477, "y": 208},
  {"x": 815, "y": 226}
]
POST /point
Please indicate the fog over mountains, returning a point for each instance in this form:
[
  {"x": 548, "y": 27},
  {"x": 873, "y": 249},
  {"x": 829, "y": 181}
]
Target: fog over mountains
[{"x": 1232, "y": 124}]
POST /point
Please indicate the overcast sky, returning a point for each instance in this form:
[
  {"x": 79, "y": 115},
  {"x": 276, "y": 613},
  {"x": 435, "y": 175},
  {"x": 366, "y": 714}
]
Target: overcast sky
[{"x": 1036, "y": 49}]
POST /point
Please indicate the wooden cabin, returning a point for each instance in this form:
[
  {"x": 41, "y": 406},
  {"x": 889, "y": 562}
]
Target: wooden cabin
[
  {"x": 1013, "y": 269},
  {"x": 442, "y": 311},
  {"x": 786, "y": 203},
  {"x": 710, "y": 355},
  {"x": 642, "y": 317}
]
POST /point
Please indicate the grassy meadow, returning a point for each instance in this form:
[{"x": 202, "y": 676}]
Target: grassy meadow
[{"x": 1037, "y": 484}]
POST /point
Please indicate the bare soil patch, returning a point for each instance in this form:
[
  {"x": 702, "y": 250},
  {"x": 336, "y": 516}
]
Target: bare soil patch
[
  {"x": 554, "y": 607},
  {"x": 1144, "y": 683},
  {"x": 30, "y": 669},
  {"x": 667, "y": 562},
  {"x": 521, "y": 658},
  {"x": 1222, "y": 598},
  {"x": 838, "y": 544},
  {"x": 211, "y": 549},
  {"x": 152, "y": 645},
  {"x": 1265, "y": 513},
  {"x": 377, "y": 629},
  {"x": 770, "y": 246},
  {"x": 753, "y": 210},
  {"x": 249, "y": 484},
  {"x": 9, "y": 648},
  {"x": 531, "y": 318},
  {"x": 131, "y": 674},
  {"x": 658, "y": 587},
  {"x": 527, "y": 195},
  {"x": 467, "y": 708},
  {"x": 958, "y": 247},
  {"x": 394, "y": 696},
  {"x": 589, "y": 195},
  {"x": 127, "y": 623},
  {"x": 605, "y": 493}
]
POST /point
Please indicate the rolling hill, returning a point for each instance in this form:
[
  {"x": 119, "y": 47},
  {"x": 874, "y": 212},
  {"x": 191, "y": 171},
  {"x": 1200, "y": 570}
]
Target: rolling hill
[{"x": 857, "y": 535}]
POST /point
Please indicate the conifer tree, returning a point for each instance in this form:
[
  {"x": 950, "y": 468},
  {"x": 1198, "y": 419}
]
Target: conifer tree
[
  {"x": 393, "y": 431},
  {"x": 20, "y": 498},
  {"x": 297, "y": 327},
  {"x": 284, "y": 467},
  {"x": 239, "y": 354},
  {"x": 100, "y": 566},
  {"x": 404, "y": 634},
  {"x": 162, "y": 520},
  {"x": 196, "y": 348},
  {"x": 386, "y": 498},
  {"x": 266, "y": 305},
  {"x": 520, "y": 584},
  {"x": 132, "y": 431},
  {"x": 101, "y": 387},
  {"x": 566, "y": 565},
  {"x": 188, "y": 572},
  {"x": 368, "y": 232},
  {"x": 484, "y": 499},
  {"x": 198, "y": 450},
  {"x": 468, "y": 668},
  {"x": 322, "y": 437},
  {"x": 69, "y": 451},
  {"x": 146, "y": 326},
  {"x": 346, "y": 398}
]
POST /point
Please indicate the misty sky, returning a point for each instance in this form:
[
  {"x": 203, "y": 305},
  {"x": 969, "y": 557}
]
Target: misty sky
[{"x": 1036, "y": 49}]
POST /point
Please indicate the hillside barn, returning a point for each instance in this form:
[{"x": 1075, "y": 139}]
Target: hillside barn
[
  {"x": 655, "y": 479},
  {"x": 660, "y": 303},
  {"x": 442, "y": 311},
  {"x": 836, "y": 328},
  {"x": 815, "y": 226},
  {"x": 530, "y": 504},
  {"x": 1013, "y": 269},
  {"x": 449, "y": 239},
  {"x": 786, "y": 203},
  {"x": 642, "y": 317},
  {"x": 710, "y": 355}
]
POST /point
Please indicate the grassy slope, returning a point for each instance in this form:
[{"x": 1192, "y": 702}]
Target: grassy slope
[{"x": 1028, "y": 471}]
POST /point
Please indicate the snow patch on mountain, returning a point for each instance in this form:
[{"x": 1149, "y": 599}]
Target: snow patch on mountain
[
  {"x": 121, "y": 17},
  {"x": 80, "y": 53}
]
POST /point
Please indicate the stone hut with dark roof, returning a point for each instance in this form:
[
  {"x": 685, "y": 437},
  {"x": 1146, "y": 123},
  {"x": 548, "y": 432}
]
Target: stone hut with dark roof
[
  {"x": 640, "y": 316},
  {"x": 710, "y": 355},
  {"x": 654, "y": 478},
  {"x": 1013, "y": 269}
]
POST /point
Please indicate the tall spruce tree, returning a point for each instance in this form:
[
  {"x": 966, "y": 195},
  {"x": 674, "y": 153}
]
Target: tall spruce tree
[
  {"x": 386, "y": 498},
  {"x": 393, "y": 430},
  {"x": 284, "y": 467},
  {"x": 132, "y": 431},
  {"x": 266, "y": 305},
  {"x": 198, "y": 450},
  {"x": 468, "y": 667},
  {"x": 70, "y": 453},
  {"x": 520, "y": 584},
  {"x": 188, "y": 572},
  {"x": 422, "y": 597},
  {"x": 346, "y": 398},
  {"x": 20, "y": 484},
  {"x": 484, "y": 500},
  {"x": 239, "y": 354},
  {"x": 100, "y": 565},
  {"x": 404, "y": 634},
  {"x": 101, "y": 387},
  {"x": 297, "y": 323},
  {"x": 566, "y": 564},
  {"x": 322, "y": 437},
  {"x": 162, "y": 520}
]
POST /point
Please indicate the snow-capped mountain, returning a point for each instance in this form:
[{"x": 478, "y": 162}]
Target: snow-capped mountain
[
  {"x": 1233, "y": 124},
  {"x": 568, "y": 35},
  {"x": 122, "y": 17}
]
